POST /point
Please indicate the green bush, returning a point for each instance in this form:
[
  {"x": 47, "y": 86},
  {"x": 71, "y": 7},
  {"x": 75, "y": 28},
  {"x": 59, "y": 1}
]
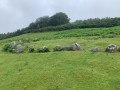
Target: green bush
[
  {"x": 31, "y": 50},
  {"x": 6, "y": 47}
]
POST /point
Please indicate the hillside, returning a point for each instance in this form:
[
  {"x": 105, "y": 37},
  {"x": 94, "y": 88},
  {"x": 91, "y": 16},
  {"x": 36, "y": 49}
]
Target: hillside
[{"x": 63, "y": 70}]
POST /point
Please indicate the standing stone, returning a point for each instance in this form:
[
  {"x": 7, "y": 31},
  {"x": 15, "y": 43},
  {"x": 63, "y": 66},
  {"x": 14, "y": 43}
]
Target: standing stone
[
  {"x": 27, "y": 40},
  {"x": 111, "y": 48},
  {"x": 95, "y": 49},
  {"x": 19, "y": 49},
  {"x": 12, "y": 44}
]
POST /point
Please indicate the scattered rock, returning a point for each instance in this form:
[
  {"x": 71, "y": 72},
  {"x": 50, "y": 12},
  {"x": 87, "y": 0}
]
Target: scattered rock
[
  {"x": 19, "y": 42},
  {"x": 43, "y": 49},
  {"x": 12, "y": 44},
  {"x": 31, "y": 46},
  {"x": 36, "y": 39},
  {"x": 67, "y": 48},
  {"x": 74, "y": 47},
  {"x": 95, "y": 49},
  {"x": 27, "y": 40},
  {"x": 58, "y": 48},
  {"x": 111, "y": 48},
  {"x": 18, "y": 49}
]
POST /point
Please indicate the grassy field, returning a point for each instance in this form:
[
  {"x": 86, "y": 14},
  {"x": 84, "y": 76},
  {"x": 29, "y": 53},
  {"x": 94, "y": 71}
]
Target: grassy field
[{"x": 64, "y": 70}]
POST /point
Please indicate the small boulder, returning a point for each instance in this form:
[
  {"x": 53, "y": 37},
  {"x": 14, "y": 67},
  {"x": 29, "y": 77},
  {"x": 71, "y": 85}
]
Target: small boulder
[
  {"x": 19, "y": 42},
  {"x": 95, "y": 49},
  {"x": 43, "y": 49},
  {"x": 12, "y": 44},
  {"x": 111, "y": 48},
  {"x": 74, "y": 47},
  {"x": 31, "y": 48},
  {"x": 67, "y": 48},
  {"x": 36, "y": 39},
  {"x": 18, "y": 49},
  {"x": 27, "y": 40},
  {"x": 58, "y": 48}
]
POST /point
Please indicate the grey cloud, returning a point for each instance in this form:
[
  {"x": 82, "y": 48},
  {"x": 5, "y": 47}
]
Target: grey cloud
[{"x": 16, "y": 14}]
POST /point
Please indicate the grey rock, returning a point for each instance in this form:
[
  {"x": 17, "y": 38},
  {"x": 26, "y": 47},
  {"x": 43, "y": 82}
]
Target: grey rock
[
  {"x": 95, "y": 49},
  {"x": 74, "y": 47},
  {"x": 12, "y": 44},
  {"x": 19, "y": 42},
  {"x": 42, "y": 48},
  {"x": 67, "y": 48},
  {"x": 111, "y": 48},
  {"x": 18, "y": 49},
  {"x": 31, "y": 46},
  {"x": 36, "y": 39}
]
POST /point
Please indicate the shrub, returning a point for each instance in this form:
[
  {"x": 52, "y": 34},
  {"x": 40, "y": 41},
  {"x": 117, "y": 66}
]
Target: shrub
[
  {"x": 6, "y": 47},
  {"x": 31, "y": 50}
]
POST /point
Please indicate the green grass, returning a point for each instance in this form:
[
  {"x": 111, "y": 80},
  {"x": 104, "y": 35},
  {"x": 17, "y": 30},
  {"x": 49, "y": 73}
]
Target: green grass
[{"x": 64, "y": 70}]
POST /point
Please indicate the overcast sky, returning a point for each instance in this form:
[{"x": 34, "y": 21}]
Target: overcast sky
[{"x": 17, "y": 14}]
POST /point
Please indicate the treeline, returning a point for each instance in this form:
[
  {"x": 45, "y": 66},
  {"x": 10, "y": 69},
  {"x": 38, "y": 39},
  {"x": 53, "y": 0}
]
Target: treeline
[{"x": 59, "y": 22}]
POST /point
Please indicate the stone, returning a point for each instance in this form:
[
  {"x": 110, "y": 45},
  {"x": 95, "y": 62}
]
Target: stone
[
  {"x": 43, "y": 49},
  {"x": 58, "y": 48},
  {"x": 111, "y": 48},
  {"x": 31, "y": 46},
  {"x": 12, "y": 44},
  {"x": 95, "y": 49},
  {"x": 19, "y": 42},
  {"x": 36, "y": 39},
  {"x": 26, "y": 40},
  {"x": 74, "y": 47},
  {"x": 67, "y": 48},
  {"x": 18, "y": 49}
]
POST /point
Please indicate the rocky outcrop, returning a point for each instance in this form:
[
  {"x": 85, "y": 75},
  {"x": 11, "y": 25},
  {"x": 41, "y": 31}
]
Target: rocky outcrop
[{"x": 111, "y": 48}]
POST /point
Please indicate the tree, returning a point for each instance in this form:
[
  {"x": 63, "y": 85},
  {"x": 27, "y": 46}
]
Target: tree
[
  {"x": 43, "y": 21},
  {"x": 59, "y": 19}
]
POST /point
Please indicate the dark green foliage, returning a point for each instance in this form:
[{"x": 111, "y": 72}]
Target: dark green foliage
[
  {"x": 59, "y": 19},
  {"x": 6, "y": 47},
  {"x": 10, "y": 50},
  {"x": 31, "y": 50},
  {"x": 44, "y": 50},
  {"x": 58, "y": 49}
]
